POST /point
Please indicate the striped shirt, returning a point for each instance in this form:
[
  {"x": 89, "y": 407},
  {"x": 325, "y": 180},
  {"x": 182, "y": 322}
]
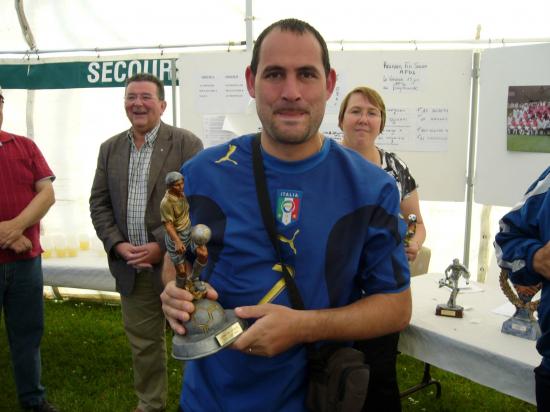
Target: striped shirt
[{"x": 138, "y": 175}]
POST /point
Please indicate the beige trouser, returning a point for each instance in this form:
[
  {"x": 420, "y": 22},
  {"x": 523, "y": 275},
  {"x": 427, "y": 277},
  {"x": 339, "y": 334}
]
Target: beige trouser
[{"x": 144, "y": 323}]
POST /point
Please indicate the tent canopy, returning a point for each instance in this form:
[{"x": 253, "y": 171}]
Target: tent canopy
[{"x": 101, "y": 24}]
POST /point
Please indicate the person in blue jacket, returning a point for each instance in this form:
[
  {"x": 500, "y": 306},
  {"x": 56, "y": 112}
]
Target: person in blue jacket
[
  {"x": 337, "y": 219},
  {"x": 523, "y": 248}
]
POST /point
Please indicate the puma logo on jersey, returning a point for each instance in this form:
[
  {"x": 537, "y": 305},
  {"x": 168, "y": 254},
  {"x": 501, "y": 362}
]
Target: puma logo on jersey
[
  {"x": 227, "y": 156},
  {"x": 290, "y": 242}
]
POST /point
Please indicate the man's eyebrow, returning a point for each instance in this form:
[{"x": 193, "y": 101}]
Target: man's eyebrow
[
  {"x": 298, "y": 69},
  {"x": 309, "y": 67},
  {"x": 272, "y": 67}
]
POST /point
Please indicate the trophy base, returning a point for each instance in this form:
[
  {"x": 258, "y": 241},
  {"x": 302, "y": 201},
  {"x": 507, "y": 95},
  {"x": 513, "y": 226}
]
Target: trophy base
[
  {"x": 526, "y": 329},
  {"x": 444, "y": 310},
  {"x": 210, "y": 329}
]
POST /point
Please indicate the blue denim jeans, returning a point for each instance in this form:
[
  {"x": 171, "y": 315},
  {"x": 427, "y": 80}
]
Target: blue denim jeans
[{"x": 22, "y": 303}]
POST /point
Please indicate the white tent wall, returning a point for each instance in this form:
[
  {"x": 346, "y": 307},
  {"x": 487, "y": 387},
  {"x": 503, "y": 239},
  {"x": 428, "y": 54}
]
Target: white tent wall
[
  {"x": 70, "y": 124},
  {"x": 69, "y": 137}
]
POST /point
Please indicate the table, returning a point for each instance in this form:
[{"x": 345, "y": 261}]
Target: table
[
  {"x": 88, "y": 270},
  {"x": 473, "y": 346}
]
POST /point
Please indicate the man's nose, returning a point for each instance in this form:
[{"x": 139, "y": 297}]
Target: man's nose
[{"x": 291, "y": 89}]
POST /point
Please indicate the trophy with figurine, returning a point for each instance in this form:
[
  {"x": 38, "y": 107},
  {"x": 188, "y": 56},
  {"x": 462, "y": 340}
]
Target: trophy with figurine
[
  {"x": 452, "y": 275},
  {"x": 210, "y": 327},
  {"x": 411, "y": 228},
  {"x": 523, "y": 323}
]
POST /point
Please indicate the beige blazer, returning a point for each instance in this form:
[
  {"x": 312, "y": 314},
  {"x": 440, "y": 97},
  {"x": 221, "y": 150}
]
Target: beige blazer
[{"x": 109, "y": 195}]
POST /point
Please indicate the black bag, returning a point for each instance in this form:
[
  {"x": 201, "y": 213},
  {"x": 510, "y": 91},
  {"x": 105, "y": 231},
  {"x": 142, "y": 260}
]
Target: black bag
[
  {"x": 338, "y": 379},
  {"x": 338, "y": 375}
]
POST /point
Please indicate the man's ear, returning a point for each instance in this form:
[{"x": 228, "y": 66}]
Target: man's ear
[
  {"x": 250, "y": 82},
  {"x": 331, "y": 82}
]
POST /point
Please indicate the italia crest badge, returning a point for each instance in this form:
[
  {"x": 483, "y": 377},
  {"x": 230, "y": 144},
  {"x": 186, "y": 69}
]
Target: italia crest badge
[{"x": 289, "y": 203}]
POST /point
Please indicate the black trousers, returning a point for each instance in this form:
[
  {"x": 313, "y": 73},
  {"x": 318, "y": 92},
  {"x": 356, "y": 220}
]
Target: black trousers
[
  {"x": 381, "y": 355},
  {"x": 542, "y": 386}
]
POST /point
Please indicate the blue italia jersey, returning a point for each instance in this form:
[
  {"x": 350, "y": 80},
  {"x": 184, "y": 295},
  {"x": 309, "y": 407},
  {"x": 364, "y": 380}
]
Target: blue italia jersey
[
  {"x": 337, "y": 219},
  {"x": 523, "y": 231}
]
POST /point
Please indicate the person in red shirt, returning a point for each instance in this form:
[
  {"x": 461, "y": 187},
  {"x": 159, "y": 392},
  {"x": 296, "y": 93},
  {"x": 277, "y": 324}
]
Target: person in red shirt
[{"x": 26, "y": 194}]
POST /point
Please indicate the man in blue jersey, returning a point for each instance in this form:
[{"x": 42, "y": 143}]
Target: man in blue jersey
[
  {"x": 337, "y": 221},
  {"x": 523, "y": 248}
]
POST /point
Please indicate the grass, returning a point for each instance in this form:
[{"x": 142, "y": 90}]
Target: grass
[
  {"x": 521, "y": 143},
  {"x": 457, "y": 393},
  {"x": 87, "y": 368},
  {"x": 86, "y": 361}
]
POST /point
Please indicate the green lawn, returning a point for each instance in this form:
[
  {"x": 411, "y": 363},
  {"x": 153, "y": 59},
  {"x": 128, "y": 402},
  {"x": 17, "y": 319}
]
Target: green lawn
[
  {"x": 519, "y": 143},
  {"x": 87, "y": 368}
]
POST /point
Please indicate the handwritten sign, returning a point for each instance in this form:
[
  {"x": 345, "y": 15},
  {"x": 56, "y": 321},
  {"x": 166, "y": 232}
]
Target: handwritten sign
[
  {"x": 403, "y": 77},
  {"x": 415, "y": 129}
]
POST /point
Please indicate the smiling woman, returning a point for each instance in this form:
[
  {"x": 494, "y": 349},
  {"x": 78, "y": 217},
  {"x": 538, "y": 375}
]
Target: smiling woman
[{"x": 362, "y": 118}]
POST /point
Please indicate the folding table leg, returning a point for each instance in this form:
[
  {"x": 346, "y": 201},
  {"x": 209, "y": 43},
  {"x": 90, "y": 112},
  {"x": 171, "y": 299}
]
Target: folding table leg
[{"x": 426, "y": 381}]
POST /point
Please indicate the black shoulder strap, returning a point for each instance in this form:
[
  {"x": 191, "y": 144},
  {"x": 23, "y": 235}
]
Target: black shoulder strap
[{"x": 269, "y": 220}]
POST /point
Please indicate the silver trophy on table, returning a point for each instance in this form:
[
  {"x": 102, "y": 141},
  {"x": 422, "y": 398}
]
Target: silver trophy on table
[
  {"x": 523, "y": 323},
  {"x": 452, "y": 275}
]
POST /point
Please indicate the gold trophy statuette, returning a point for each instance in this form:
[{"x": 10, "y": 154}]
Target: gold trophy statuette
[{"x": 210, "y": 327}]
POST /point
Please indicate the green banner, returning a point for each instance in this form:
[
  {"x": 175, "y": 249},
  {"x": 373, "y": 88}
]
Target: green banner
[{"x": 76, "y": 75}]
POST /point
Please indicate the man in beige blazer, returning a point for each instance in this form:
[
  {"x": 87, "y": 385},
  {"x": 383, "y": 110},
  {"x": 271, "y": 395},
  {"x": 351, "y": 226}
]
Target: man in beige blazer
[{"x": 125, "y": 210}]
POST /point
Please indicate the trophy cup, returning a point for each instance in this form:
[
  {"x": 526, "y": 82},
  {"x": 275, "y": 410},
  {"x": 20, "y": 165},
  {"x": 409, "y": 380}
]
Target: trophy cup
[
  {"x": 523, "y": 323},
  {"x": 210, "y": 327},
  {"x": 452, "y": 274}
]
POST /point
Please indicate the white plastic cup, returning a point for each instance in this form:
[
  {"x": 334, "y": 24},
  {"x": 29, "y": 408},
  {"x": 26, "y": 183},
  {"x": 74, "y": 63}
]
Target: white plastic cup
[
  {"x": 84, "y": 241},
  {"x": 47, "y": 247},
  {"x": 72, "y": 246},
  {"x": 60, "y": 246}
]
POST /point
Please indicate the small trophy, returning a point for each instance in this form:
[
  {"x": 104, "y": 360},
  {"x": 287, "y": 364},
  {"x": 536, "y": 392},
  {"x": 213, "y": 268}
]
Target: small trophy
[
  {"x": 452, "y": 274},
  {"x": 523, "y": 323},
  {"x": 411, "y": 228},
  {"x": 210, "y": 327}
]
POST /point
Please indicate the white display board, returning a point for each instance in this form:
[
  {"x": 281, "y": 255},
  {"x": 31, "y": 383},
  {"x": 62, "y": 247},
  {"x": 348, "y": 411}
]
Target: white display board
[
  {"x": 427, "y": 96},
  {"x": 502, "y": 177}
]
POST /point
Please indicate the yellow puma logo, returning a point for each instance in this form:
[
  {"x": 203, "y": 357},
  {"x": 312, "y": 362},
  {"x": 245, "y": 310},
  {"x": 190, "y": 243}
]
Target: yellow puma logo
[
  {"x": 277, "y": 287},
  {"x": 226, "y": 158},
  {"x": 290, "y": 241}
]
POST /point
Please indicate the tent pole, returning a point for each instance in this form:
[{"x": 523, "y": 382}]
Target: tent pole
[
  {"x": 471, "y": 158},
  {"x": 24, "y": 23},
  {"x": 248, "y": 19},
  {"x": 174, "y": 76}
]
